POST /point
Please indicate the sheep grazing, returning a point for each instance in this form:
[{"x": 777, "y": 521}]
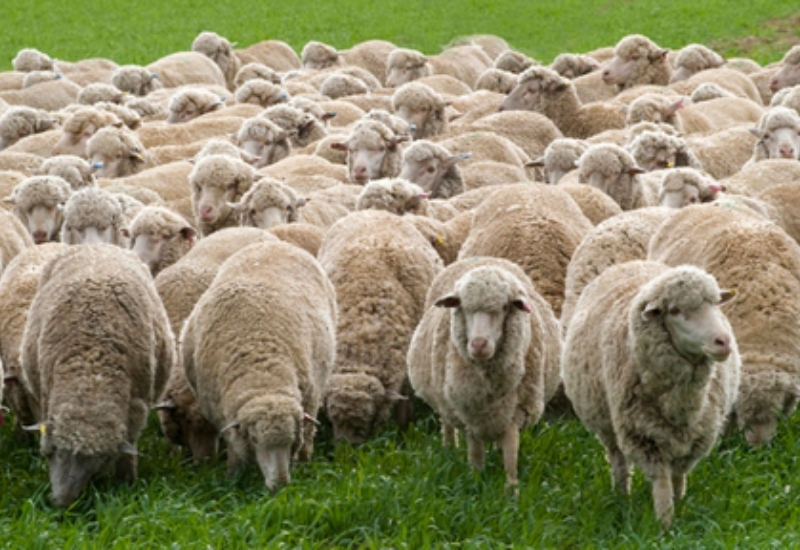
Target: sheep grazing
[
  {"x": 404, "y": 66},
  {"x": 38, "y": 202},
  {"x": 263, "y": 93},
  {"x": 571, "y": 65},
  {"x": 306, "y": 127},
  {"x": 135, "y": 80},
  {"x": 692, "y": 59},
  {"x": 547, "y": 92},
  {"x": 93, "y": 215},
  {"x": 288, "y": 327},
  {"x": 18, "y": 122},
  {"x": 485, "y": 356},
  {"x": 75, "y": 170},
  {"x": 659, "y": 150},
  {"x": 637, "y": 60},
  {"x": 191, "y": 103},
  {"x": 319, "y": 56},
  {"x": 373, "y": 152},
  {"x": 789, "y": 73},
  {"x": 93, "y": 405},
  {"x": 219, "y": 50},
  {"x": 115, "y": 152},
  {"x": 560, "y": 157},
  {"x": 684, "y": 186},
  {"x": 31, "y": 59},
  {"x": 81, "y": 125},
  {"x": 651, "y": 367},
  {"x": 422, "y": 108},
  {"x": 377, "y": 262},
  {"x": 264, "y": 140},
  {"x": 614, "y": 171},
  {"x": 778, "y": 134},
  {"x": 433, "y": 168},
  {"x": 256, "y": 70},
  {"x": 763, "y": 261},
  {"x": 160, "y": 237},
  {"x": 268, "y": 203},
  {"x": 217, "y": 181}
]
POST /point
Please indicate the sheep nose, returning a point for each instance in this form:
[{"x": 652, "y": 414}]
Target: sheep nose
[
  {"x": 787, "y": 152},
  {"x": 39, "y": 236},
  {"x": 722, "y": 348},
  {"x": 773, "y": 85},
  {"x": 206, "y": 212},
  {"x": 479, "y": 347}
]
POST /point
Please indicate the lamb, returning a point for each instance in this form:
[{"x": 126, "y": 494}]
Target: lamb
[
  {"x": 651, "y": 366},
  {"x": 495, "y": 80},
  {"x": 778, "y": 134},
  {"x": 38, "y": 201},
  {"x": 764, "y": 263},
  {"x": 560, "y": 156},
  {"x": 692, "y": 59},
  {"x": 93, "y": 215},
  {"x": 31, "y": 59},
  {"x": 219, "y": 50},
  {"x": 75, "y": 170},
  {"x": 422, "y": 108},
  {"x": 377, "y": 262},
  {"x": 91, "y": 407},
  {"x": 684, "y": 186},
  {"x": 261, "y": 138},
  {"x": 536, "y": 226},
  {"x": 789, "y": 72},
  {"x": 160, "y": 237},
  {"x": 545, "y": 91},
  {"x": 217, "y": 181},
  {"x": 307, "y": 128},
  {"x": 136, "y": 80},
  {"x": 81, "y": 125},
  {"x": 405, "y": 66},
  {"x": 256, "y": 70},
  {"x": 623, "y": 238},
  {"x": 289, "y": 361},
  {"x": 261, "y": 92},
  {"x": 191, "y": 103},
  {"x": 614, "y": 171},
  {"x": 268, "y": 203},
  {"x": 658, "y": 150},
  {"x": 115, "y": 152},
  {"x": 433, "y": 168},
  {"x": 339, "y": 84},
  {"x": 319, "y": 56},
  {"x": 373, "y": 152},
  {"x": 570, "y": 65},
  {"x": 637, "y": 60},
  {"x": 17, "y": 122},
  {"x": 488, "y": 365}
]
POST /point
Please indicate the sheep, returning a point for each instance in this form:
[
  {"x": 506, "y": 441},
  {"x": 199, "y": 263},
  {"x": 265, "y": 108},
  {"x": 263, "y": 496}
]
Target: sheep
[
  {"x": 789, "y": 72},
  {"x": 560, "y": 156},
  {"x": 764, "y": 263},
  {"x": 692, "y": 59},
  {"x": 75, "y": 170},
  {"x": 268, "y": 203},
  {"x": 261, "y": 92},
  {"x": 184, "y": 68},
  {"x": 312, "y": 107},
  {"x": 737, "y": 83},
  {"x": 545, "y": 91},
  {"x": 255, "y": 70},
  {"x": 217, "y": 181},
  {"x": 466, "y": 63},
  {"x": 433, "y": 168},
  {"x": 708, "y": 91},
  {"x": 25, "y": 163},
  {"x": 778, "y": 134},
  {"x": 303, "y": 235},
  {"x": 684, "y": 186},
  {"x": 318, "y": 56},
  {"x": 92, "y": 406},
  {"x": 38, "y": 201},
  {"x": 614, "y": 171},
  {"x": 38, "y": 77},
  {"x": 135, "y": 79},
  {"x": 373, "y": 152},
  {"x": 513, "y": 62},
  {"x": 300, "y": 171},
  {"x": 219, "y": 50},
  {"x": 160, "y": 237},
  {"x": 537, "y": 226},
  {"x": 637, "y": 60},
  {"x": 658, "y": 150},
  {"x": 47, "y": 96},
  {"x": 397, "y": 196},
  {"x": 17, "y": 289},
  {"x": 491, "y": 44},
  {"x": 290, "y": 355},
  {"x": 115, "y": 152},
  {"x": 377, "y": 262},
  {"x": 180, "y": 286},
  {"x": 306, "y": 127},
  {"x": 146, "y": 109},
  {"x": 620, "y": 239},
  {"x": 421, "y": 107},
  {"x": 93, "y": 215},
  {"x": 81, "y": 125},
  {"x": 371, "y": 55},
  {"x": 532, "y": 132},
  {"x": 445, "y": 85},
  {"x": 31, "y": 59},
  {"x": 705, "y": 117},
  {"x": 755, "y": 177},
  {"x": 485, "y": 145},
  {"x": 100, "y": 91},
  {"x": 651, "y": 367},
  {"x": 723, "y": 153},
  {"x": 17, "y": 122},
  {"x": 261, "y": 138},
  {"x": 595, "y": 205},
  {"x": 159, "y": 134},
  {"x": 216, "y": 146},
  {"x": 170, "y": 181},
  {"x": 339, "y": 84},
  {"x": 191, "y": 103},
  {"x": 496, "y": 80},
  {"x": 571, "y": 65},
  {"x": 275, "y": 54},
  {"x": 405, "y": 66},
  {"x": 488, "y": 365}
]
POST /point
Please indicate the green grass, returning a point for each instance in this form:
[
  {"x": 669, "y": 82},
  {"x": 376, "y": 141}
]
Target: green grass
[{"x": 142, "y": 31}]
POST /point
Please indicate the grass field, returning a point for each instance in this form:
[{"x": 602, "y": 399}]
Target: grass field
[{"x": 403, "y": 491}]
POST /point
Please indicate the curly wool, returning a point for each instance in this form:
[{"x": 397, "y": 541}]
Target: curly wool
[
  {"x": 189, "y": 103},
  {"x": 220, "y": 50},
  {"x": 75, "y": 170},
  {"x": 655, "y": 108},
  {"x": 306, "y": 126},
  {"x": 261, "y": 92},
  {"x": 496, "y": 80},
  {"x": 403, "y": 66},
  {"x": 681, "y": 180},
  {"x": 92, "y": 207},
  {"x": 269, "y": 141},
  {"x": 316, "y": 55},
  {"x": 570, "y": 65},
  {"x": 18, "y": 122},
  {"x": 270, "y": 193},
  {"x": 135, "y": 80},
  {"x": 513, "y": 62},
  {"x": 448, "y": 183},
  {"x": 111, "y": 143},
  {"x": 49, "y": 191},
  {"x": 613, "y": 170},
  {"x": 560, "y": 156},
  {"x": 31, "y": 59}
]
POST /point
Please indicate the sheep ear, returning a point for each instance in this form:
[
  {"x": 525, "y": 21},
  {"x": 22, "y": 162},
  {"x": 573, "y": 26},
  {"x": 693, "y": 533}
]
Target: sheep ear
[
  {"x": 448, "y": 301},
  {"x": 727, "y": 295},
  {"x": 675, "y": 107},
  {"x": 522, "y": 305},
  {"x": 537, "y": 163},
  {"x": 234, "y": 424},
  {"x": 396, "y": 140},
  {"x": 127, "y": 449},
  {"x": 168, "y": 405},
  {"x": 301, "y": 202},
  {"x": 718, "y": 188},
  {"x": 9, "y": 199},
  {"x": 635, "y": 170},
  {"x": 339, "y": 146},
  {"x": 651, "y": 311},
  {"x": 392, "y": 395},
  {"x": 455, "y": 159},
  {"x": 188, "y": 233},
  {"x": 236, "y": 206},
  {"x": 756, "y": 132},
  {"x": 415, "y": 200},
  {"x": 328, "y": 115},
  {"x": 659, "y": 55},
  {"x": 125, "y": 232}
]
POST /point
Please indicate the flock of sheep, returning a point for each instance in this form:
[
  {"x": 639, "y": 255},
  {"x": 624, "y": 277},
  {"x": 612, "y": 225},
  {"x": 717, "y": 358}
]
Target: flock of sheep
[{"x": 265, "y": 237}]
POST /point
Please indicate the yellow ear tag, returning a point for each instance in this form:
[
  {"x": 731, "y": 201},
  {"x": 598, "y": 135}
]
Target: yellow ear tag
[
  {"x": 670, "y": 164},
  {"x": 43, "y": 429},
  {"x": 439, "y": 239}
]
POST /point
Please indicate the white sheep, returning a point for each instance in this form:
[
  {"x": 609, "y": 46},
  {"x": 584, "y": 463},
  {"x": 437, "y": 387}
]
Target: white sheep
[
  {"x": 75, "y": 170},
  {"x": 100, "y": 91},
  {"x": 778, "y": 134},
  {"x": 422, "y": 108},
  {"x": 485, "y": 356},
  {"x": 692, "y": 59},
  {"x": 316, "y": 55},
  {"x": 560, "y": 157},
  {"x": 496, "y": 80},
  {"x": 571, "y": 65},
  {"x": 17, "y": 122},
  {"x": 115, "y": 152},
  {"x": 404, "y": 66},
  {"x": 684, "y": 186},
  {"x": 219, "y": 50},
  {"x": 263, "y": 93},
  {"x": 614, "y": 171},
  {"x": 373, "y": 151},
  {"x": 189, "y": 103},
  {"x": 93, "y": 215},
  {"x": 269, "y": 202},
  {"x": 38, "y": 203},
  {"x": 160, "y": 237},
  {"x": 306, "y": 127},
  {"x": 31, "y": 59},
  {"x": 216, "y": 181},
  {"x": 788, "y": 73},
  {"x": 256, "y": 70},
  {"x": 651, "y": 367},
  {"x": 659, "y": 150},
  {"x": 433, "y": 168},
  {"x": 135, "y": 79},
  {"x": 81, "y": 125},
  {"x": 261, "y": 138},
  {"x": 637, "y": 60}
]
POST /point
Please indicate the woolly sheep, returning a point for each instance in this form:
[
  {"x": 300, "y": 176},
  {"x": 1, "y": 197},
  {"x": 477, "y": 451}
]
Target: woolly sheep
[
  {"x": 404, "y": 66},
  {"x": 260, "y": 404},
  {"x": 723, "y": 153},
  {"x": 373, "y": 152},
  {"x": 217, "y": 181},
  {"x": 316, "y": 55},
  {"x": 513, "y": 62},
  {"x": 755, "y": 177},
  {"x": 261, "y": 92},
  {"x": 705, "y": 117},
  {"x": 692, "y": 59},
  {"x": 31, "y": 59},
  {"x": 81, "y": 125},
  {"x": 433, "y": 168},
  {"x": 219, "y": 50},
  {"x": 488, "y": 365},
  {"x": 495, "y": 80},
  {"x": 422, "y": 108},
  {"x": 184, "y": 68},
  {"x": 268, "y": 203},
  {"x": 571, "y": 65},
  {"x": 92, "y": 407},
  {"x": 595, "y": 205},
  {"x": 658, "y": 150},
  {"x": 789, "y": 72},
  {"x": 545, "y": 91},
  {"x": 256, "y": 70},
  {"x": 100, "y": 91},
  {"x": 637, "y": 60},
  {"x": 170, "y": 181},
  {"x": 160, "y": 237},
  {"x": 115, "y": 152},
  {"x": 531, "y": 132},
  {"x": 536, "y": 226},
  {"x": 684, "y": 186},
  {"x": 778, "y": 134},
  {"x": 466, "y": 63},
  {"x": 135, "y": 79},
  {"x": 275, "y": 54},
  {"x": 377, "y": 262},
  {"x": 707, "y": 91},
  {"x": 651, "y": 366},
  {"x": 146, "y": 109},
  {"x": 216, "y": 146},
  {"x": 338, "y": 85},
  {"x": 764, "y": 263},
  {"x": 303, "y": 235},
  {"x": 397, "y": 196},
  {"x": 38, "y": 201},
  {"x": 560, "y": 156},
  {"x": 93, "y": 215},
  {"x": 613, "y": 170},
  {"x": 306, "y": 127},
  {"x": 191, "y": 103},
  {"x": 17, "y": 122},
  {"x": 75, "y": 170},
  {"x": 261, "y": 138},
  {"x": 52, "y": 95},
  {"x": 38, "y": 77}
]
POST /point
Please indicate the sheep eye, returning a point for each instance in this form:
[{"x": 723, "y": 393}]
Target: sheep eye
[
  {"x": 693, "y": 200},
  {"x": 674, "y": 311},
  {"x": 431, "y": 169},
  {"x": 252, "y": 213}
]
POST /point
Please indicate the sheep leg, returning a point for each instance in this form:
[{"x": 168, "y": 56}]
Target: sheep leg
[
  {"x": 307, "y": 448},
  {"x": 449, "y": 435},
  {"x": 476, "y": 450},
  {"x": 678, "y": 486},
  {"x": 620, "y": 470},
  {"x": 402, "y": 414},
  {"x": 510, "y": 446},
  {"x": 662, "y": 499}
]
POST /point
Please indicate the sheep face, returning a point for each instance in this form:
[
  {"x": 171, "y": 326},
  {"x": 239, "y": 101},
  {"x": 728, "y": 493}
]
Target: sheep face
[
  {"x": 71, "y": 472},
  {"x": 150, "y": 247},
  {"x": 38, "y": 203},
  {"x": 632, "y": 59},
  {"x": 366, "y": 153},
  {"x": 428, "y": 172},
  {"x": 787, "y": 76},
  {"x": 74, "y": 143},
  {"x": 185, "y": 107},
  {"x": 780, "y": 143},
  {"x": 404, "y": 66},
  {"x": 265, "y": 141},
  {"x": 684, "y": 186},
  {"x": 524, "y": 96},
  {"x": 44, "y": 222},
  {"x": 681, "y": 197}
]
